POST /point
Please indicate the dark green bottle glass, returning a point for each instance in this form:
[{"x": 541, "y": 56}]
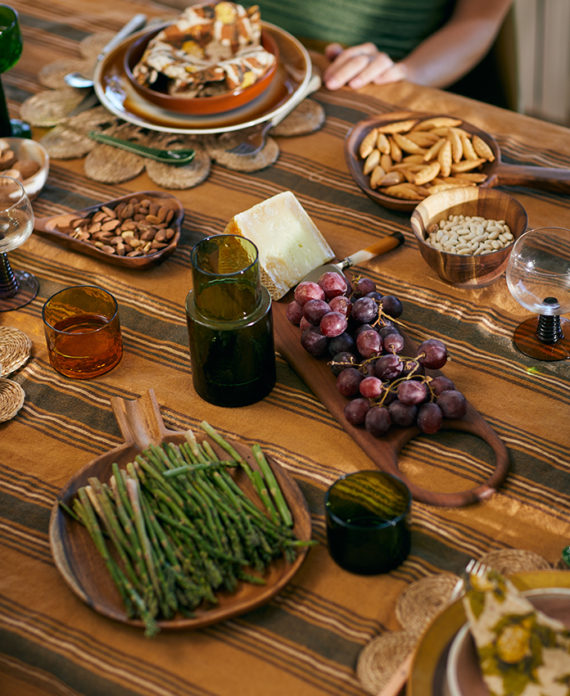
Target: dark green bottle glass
[{"x": 230, "y": 324}]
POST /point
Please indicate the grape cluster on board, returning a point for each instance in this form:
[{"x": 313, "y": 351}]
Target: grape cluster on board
[{"x": 356, "y": 329}]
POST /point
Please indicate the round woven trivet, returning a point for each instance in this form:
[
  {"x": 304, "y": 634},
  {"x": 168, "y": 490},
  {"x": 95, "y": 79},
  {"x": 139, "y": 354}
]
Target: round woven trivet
[
  {"x": 509, "y": 561},
  {"x": 48, "y": 108},
  {"x": 267, "y": 156},
  {"x": 15, "y": 349},
  {"x": 306, "y": 118},
  {"x": 424, "y": 599},
  {"x": 52, "y": 74},
  {"x": 11, "y": 399},
  {"x": 379, "y": 659}
]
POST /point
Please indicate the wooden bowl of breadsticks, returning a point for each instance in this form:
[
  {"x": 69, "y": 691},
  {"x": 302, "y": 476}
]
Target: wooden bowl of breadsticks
[{"x": 398, "y": 159}]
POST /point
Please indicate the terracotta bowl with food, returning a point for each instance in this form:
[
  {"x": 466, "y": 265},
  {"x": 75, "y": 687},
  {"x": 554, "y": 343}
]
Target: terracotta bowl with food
[
  {"x": 466, "y": 234},
  {"x": 205, "y": 105}
]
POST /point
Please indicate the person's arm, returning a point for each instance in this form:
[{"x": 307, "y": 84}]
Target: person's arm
[{"x": 438, "y": 61}]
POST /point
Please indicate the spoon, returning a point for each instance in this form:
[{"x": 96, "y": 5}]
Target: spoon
[
  {"x": 178, "y": 157},
  {"x": 76, "y": 79}
]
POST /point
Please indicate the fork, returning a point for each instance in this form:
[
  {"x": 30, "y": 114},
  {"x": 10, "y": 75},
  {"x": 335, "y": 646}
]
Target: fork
[{"x": 255, "y": 138}]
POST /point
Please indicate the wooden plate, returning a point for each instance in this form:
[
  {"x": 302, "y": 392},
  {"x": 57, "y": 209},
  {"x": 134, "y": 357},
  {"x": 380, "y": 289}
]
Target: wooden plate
[
  {"x": 83, "y": 569},
  {"x": 498, "y": 173},
  {"x": 198, "y": 105},
  {"x": 48, "y": 227}
]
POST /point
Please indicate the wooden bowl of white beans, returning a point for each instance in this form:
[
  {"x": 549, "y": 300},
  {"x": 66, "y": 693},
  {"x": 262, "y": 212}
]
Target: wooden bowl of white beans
[{"x": 466, "y": 234}]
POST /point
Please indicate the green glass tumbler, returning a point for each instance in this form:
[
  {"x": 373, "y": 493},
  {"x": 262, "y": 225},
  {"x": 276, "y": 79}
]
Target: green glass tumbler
[
  {"x": 230, "y": 323},
  {"x": 367, "y": 522}
]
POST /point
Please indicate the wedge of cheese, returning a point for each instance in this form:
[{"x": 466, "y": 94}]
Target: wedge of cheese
[{"x": 288, "y": 241}]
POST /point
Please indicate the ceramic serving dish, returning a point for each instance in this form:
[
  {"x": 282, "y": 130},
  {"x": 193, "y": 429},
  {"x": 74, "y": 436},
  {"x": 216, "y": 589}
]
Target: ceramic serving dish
[
  {"x": 51, "y": 227},
  {"x": 197, "y": 105},
  {"x": 118, "y": 95}
]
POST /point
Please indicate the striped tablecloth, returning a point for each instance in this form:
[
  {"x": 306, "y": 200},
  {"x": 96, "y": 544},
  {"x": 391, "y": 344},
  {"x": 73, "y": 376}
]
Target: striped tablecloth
[{"x": 307, "y": 639}]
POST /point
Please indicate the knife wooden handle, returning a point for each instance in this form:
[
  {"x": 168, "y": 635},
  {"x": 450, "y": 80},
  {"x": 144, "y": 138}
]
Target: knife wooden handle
[{"x": 382, "y": 246}]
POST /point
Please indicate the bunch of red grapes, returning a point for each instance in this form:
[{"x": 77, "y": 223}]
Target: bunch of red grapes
[{"x": 356, "y": 329}]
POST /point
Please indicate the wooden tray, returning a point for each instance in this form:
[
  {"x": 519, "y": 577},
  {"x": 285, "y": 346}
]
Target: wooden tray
[
  {"x": 48, "y": 227},
  {"x": 498, "y": 172},
  {"x": 384, "y": 451},
  {"x": 85, "y": 572}
]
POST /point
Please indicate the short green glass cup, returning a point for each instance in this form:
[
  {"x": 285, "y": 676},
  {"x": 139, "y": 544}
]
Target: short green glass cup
[{"x": 367, "y": 522}]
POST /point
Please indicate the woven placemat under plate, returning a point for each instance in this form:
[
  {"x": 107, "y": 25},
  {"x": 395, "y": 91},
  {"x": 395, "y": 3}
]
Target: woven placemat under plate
[
  {"x": 11, "y": 399},
  {"x": 15, "y": 349},
  {"x": 509, "y": 561},
  {"x": 422, "y": 600},
  {"x": 379, "y": 659}
]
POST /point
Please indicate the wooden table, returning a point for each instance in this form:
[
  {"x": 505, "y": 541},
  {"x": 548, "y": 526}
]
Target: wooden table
[{"x": 308, "y": 638}]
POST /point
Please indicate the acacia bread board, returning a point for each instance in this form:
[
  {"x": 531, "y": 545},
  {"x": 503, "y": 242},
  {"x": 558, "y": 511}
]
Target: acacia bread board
[{"x": 384, "y": 451}]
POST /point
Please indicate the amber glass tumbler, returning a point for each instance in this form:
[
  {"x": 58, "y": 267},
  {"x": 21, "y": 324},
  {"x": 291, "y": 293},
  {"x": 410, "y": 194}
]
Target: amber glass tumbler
[{"x": 82, "y": 331}]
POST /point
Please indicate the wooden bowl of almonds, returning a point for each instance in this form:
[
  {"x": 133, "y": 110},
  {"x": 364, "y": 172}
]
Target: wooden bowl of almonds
[
  {"x": 134, "y": 231},
  {"x": 398, "y": 159},
  {"x": 466, "y": 234}
]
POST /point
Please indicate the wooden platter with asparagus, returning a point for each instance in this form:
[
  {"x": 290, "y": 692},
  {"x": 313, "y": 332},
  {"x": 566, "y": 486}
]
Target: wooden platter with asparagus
[{"x": 178, "y": 529}]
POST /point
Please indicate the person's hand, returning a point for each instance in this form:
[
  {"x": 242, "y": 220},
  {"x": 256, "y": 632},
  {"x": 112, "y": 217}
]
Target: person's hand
[{"x": 360, "y": 65}]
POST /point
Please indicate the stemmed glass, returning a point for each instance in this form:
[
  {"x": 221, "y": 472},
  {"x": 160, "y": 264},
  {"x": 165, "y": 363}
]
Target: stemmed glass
[
  {"x": 17, "y": 288},
  {"x": 10, "y": 52},
  {"x": 538, "y": 277}
]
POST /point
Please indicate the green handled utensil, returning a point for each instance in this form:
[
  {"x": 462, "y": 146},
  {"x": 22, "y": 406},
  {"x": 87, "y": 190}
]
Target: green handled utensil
[{"x": 167, "y": 156}]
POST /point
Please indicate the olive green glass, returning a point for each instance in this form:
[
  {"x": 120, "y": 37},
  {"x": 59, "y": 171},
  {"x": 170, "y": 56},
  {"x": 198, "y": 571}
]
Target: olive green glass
[
  {"x": 367, "y": 522},
  {"x": 230, "y": 323}
]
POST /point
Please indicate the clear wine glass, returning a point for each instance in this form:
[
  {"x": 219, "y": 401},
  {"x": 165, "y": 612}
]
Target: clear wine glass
[
  {"x": 17, "y": 288},
  {"x": 538, "y": 277},
  {"x": 10, "y": 52}
]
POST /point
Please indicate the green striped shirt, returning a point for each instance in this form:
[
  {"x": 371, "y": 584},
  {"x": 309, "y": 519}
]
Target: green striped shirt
[{"x": 395, "y": 26}]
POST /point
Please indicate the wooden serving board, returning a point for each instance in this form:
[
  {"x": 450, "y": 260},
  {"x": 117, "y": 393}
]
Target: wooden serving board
[
  {"x": 384, "y": 451},
  {"x": 82, "y": 566}
]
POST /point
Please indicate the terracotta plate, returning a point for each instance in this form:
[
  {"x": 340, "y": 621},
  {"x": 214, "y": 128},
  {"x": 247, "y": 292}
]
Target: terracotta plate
[{"x": 119, "y": 96}]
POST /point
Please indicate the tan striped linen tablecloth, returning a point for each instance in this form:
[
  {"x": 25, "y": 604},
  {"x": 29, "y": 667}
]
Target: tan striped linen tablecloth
[{"x": 307, "y": 639}]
